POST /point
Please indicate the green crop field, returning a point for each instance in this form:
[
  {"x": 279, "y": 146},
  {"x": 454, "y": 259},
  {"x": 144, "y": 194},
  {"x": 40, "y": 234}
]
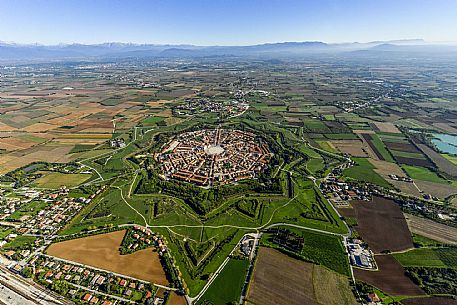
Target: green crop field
[
  {"x": 153, "y": 120},
  {"x": 422, "y": 173},
  {"x": 230, "y": 281},
  {"x": 326, "y": 146},
  {"x": 429, "y": 257},
  {"x": 453, "y": 159},
  {"x": 392, "y": 137},
  {"x": 381, "y": 148},
  {"x": 55, "y": 180},
  {"x": 314, "y": 124},
  {"x": 341, "y": 136},
  {"x": 423, "y": 257},
  {"x": 322, "y": 249},
  {"x": 406, "y": 154},
  {"x": 363, "y": 171}
]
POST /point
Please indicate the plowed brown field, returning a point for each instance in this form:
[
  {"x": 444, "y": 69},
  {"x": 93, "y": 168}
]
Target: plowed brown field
[{"x": 102, "y": 251}]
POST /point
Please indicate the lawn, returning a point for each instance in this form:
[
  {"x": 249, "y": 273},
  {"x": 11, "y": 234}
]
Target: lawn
[
  {"x": 363, "y": 171},
  {"x": 230, "y": 281},
  {"x": 422, "y": 173},
  {"x": 19, "y": 243},
  {"x": 54, "y": 180},
  {"x": 30, "y": 209},
  {"x": 4, "y": 232}
]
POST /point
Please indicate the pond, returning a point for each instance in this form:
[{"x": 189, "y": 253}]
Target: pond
[{"x": 445, "y": 142}]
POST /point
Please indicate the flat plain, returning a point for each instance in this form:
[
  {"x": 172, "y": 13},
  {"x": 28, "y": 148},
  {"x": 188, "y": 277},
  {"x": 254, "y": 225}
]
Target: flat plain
[
  {"x": 390, "y": 278},
  {"x": 432, "y": 229},
  {"x": 102, "y": 251},
  {"x": 382, "y": 225},
  {"x": 279, "y": 279}
]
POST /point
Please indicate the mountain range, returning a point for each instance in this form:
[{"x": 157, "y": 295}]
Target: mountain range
[{"x": 13, "y": 51}]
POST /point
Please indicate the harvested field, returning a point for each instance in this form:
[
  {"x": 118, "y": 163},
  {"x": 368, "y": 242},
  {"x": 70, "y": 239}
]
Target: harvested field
[
  {"x": 382, "y": 225},
  {"x": 280, "y": 279},
  {"x": 102, "y": 251},
  {"x": 11, "y": 144},
  {"x": 401, "y": 147},
  {"x": 430, "y": 301},
  {"x": 446, "y": 127},
  {"x": 385, "y": 168},
  {"x": 45, "y": 153},
  {"x": 355, "y": 148},
  {"x": 386, "y": 127},
  {"x": 39, "y": 127},
  {"x": 432, "y": 229},
  {"x": 407, "y": 187},
  {"x": 443, "y": 164},
  {"x": 390, "y": 278},
  {"x": 439, "y": 190},
  {"x": 415, "y": 162},
  {"x": 325, "y": 281}
]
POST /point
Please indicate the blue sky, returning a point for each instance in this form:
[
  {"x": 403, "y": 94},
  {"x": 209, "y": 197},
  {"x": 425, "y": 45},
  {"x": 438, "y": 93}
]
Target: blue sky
[{"x": 228, "y": 22}]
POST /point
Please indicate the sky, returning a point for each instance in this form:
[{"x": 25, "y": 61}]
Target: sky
[{"x": 225, "y": 22}]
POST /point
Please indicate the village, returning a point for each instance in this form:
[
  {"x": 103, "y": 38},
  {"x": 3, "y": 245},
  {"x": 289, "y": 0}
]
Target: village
[
  {"x": 230, "y": 108},
  {"x": 85, "y": 284},
  {"x": 32, "y": 217},
  {"x": 209, "y": 157}
]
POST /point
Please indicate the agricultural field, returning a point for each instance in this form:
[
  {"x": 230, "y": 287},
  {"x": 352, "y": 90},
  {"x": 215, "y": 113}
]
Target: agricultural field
[
  {"x": 278, "y": 278},
  {"x": 54, "y": 180},
  {"x": 432, "y": 229},
  {"x": 364, "y": 171},
  {"x": 441, "y": 257},
  {"x": 321, "y": 249},
  {"x": 422, "y": 173},
  {"x": 235, "y": 274},
  {"x": 381, "y": 224},
  {"x": 99, "y": 129},
  {"x": 102, "y": 251},
  {"x": 390, "y": 278},
  {"x": 355, "y": 148}
]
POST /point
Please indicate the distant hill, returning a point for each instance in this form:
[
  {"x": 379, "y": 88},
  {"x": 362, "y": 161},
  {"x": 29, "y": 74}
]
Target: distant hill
[{"x": 12, "y": 51}]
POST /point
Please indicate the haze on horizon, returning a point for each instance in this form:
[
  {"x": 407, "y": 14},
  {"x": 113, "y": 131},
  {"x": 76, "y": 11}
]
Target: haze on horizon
[{"x": 231, "y": 22}]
